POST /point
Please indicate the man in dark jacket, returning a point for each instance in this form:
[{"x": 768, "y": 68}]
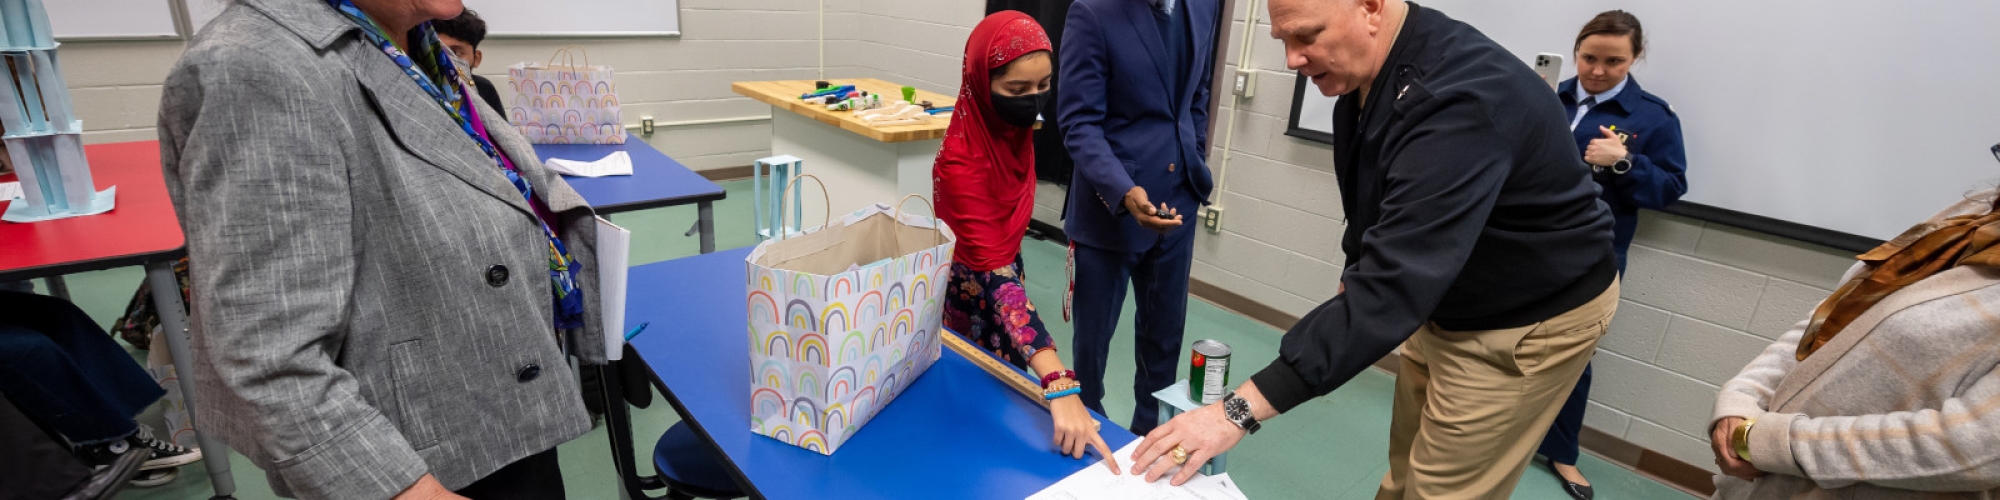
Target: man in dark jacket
[{"x": 1474, "y": 240}]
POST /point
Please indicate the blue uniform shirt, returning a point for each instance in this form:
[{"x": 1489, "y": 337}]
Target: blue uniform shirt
[{"x": 1659, "y": 160}]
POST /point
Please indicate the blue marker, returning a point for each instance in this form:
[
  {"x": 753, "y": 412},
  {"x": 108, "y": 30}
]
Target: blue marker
[{"x": 635, "y": 331}]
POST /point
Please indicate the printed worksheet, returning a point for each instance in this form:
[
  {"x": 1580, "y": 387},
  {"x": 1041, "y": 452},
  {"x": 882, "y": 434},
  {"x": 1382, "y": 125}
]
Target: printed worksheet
[{"x": 1096, "y": 482}]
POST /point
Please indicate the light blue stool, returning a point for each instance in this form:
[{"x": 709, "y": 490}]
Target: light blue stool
[
  {"x": 770, "y": 175},
  {"x": 1174, "y": 401}
]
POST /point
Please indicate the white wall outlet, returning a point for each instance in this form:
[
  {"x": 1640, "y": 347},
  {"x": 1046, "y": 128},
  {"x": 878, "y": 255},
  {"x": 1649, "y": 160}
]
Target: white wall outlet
[
  {"x": 1211, "y": 218},
  {"x": 1246, "y": 83}
]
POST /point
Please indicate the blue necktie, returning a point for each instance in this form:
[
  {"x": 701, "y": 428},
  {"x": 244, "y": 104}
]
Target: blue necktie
[{"x": 1583, "y": 107}]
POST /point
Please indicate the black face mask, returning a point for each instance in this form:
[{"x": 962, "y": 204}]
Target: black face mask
[{"x": 1019, "y": 111}]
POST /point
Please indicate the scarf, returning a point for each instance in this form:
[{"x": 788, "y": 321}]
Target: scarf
[
  {"x": 985, "y": 173},
  {"x": 1921, "y": 252},
  {"x": 445, "y": 86}
]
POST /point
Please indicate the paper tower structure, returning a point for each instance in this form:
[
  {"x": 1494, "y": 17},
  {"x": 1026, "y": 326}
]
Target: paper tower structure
[{"x": 44, "y": 138}]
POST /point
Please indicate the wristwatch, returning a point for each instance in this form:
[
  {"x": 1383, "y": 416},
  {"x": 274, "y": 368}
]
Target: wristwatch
[
  {"x": 1623, "y": 165},
  {"x": 1238, "y": 412}
]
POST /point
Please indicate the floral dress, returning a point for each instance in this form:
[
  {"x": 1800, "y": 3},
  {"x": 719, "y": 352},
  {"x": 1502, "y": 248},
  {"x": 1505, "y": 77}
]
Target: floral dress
[{"x": 991, "y": 309}]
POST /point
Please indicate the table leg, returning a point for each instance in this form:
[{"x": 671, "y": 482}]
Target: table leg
[
  {"x": 57, "y": 287},
  {"x": 705, "y": 222},
  {"x": 173, "y": 323}
]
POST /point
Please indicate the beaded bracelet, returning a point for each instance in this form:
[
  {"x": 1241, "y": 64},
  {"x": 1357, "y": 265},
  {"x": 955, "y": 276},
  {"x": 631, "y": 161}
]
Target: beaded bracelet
[
  {"x": 1065, "y": 392},
  {"x": 1053, "y": 376}
]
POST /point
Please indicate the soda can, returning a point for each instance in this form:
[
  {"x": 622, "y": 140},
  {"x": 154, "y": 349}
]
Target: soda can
[{"x": 1208, "y": 377}]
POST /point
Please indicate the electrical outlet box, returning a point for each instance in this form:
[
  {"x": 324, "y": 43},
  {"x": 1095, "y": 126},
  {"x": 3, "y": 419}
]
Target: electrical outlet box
[
  {"x": 1211, "y": 218},
  {"x": 646, "y": 126},
  {"x": 1246, "y": 83}
]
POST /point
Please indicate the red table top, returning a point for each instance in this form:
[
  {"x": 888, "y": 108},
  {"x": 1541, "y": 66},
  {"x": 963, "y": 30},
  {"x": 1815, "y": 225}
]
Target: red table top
[{"x": 141, "y": 228}]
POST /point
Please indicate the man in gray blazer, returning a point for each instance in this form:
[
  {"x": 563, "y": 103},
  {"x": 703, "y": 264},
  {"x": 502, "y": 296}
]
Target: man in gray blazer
[{"x": 372, "y": 314}]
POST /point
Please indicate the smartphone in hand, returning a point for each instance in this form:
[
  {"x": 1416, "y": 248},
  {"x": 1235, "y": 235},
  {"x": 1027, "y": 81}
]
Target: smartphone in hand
[{"x": 1550, "y": 66}]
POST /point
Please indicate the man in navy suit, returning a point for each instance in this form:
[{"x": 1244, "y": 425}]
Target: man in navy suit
[{"x": 1134, "y": 115}]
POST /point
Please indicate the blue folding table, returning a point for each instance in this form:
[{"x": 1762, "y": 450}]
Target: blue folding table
[
  {"x": 957, "y": 432},
  {"x": 656, "y": 181}
]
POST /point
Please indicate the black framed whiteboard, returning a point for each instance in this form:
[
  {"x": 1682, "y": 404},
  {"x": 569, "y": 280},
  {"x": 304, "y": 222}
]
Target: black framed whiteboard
[{"x": 1312, "y": 114}]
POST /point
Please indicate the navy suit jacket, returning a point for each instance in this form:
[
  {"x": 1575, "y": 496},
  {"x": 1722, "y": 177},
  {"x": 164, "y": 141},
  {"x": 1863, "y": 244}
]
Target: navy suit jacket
[{"x": 1121, "y": 124}]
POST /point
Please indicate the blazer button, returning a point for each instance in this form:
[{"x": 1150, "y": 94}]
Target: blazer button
[
  {"x": 528, "y": 373},
  {"x": 1170, "y": 167},
  {"x": 496, "y": 275}
]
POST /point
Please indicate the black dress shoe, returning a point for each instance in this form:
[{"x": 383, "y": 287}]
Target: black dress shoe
[{"x": 1576, "y": 491}]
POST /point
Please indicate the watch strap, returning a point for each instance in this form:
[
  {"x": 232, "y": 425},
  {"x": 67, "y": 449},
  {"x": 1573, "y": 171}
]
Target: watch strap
[{"x": 1237, "y": 410}]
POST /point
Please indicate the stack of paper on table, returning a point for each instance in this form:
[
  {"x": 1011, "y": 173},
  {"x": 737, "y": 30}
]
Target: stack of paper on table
[
  {"x": 1096, "y": 482},
  {"x": 617, "y": 163}
]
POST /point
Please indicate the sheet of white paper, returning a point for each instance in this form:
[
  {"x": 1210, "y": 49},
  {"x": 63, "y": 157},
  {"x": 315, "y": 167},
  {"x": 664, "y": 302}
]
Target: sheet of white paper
[
  {"x": 10, "y": 190},
  {"x": 617, "y": 163},
  {"x": 1097, "y": 482},
  {"x": 614, "y": 251}
]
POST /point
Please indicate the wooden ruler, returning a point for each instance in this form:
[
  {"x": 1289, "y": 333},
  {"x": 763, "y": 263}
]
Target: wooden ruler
[{"x": 993, "y": 366}]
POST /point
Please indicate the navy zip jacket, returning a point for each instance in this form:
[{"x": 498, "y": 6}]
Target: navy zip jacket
[
  {"x": 1659, "y": 161},
  {"x": 1467, "y": 206}
]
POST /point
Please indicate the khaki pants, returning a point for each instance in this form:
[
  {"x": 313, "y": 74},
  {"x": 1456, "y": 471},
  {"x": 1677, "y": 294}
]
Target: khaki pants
[{"x": 1472, "y": 406}]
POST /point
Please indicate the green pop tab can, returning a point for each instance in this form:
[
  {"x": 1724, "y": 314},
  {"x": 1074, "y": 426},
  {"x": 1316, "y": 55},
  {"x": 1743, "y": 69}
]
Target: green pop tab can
[{"x": 1208, "y": 377}]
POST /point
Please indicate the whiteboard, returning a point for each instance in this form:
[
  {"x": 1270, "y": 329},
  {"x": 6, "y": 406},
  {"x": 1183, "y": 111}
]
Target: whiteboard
[
  {"x": 1312, "y": 113},
  {"x": 1857, "y": 117},
  {"x": 542, "y": 18},
  {"x": 111, "y": 19}
]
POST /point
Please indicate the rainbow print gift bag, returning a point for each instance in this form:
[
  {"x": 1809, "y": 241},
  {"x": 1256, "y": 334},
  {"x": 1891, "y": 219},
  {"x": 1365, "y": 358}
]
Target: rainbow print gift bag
[
  {"x": 565, "y": 103},
  {"x": 842, "y": 319}
]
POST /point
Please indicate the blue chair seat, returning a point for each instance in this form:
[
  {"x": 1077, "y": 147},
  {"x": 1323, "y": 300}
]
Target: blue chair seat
[{"x": 690, "y": 468}]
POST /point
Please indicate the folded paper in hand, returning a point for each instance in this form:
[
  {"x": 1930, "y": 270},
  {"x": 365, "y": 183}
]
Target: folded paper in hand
[{"x": 617, "y": 163}]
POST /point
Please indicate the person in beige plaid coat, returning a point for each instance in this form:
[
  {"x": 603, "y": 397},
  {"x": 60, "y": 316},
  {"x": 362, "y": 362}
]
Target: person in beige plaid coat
[{"x": 1904, "y": 403}]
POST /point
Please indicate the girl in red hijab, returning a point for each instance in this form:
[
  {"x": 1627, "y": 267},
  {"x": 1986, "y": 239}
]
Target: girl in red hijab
[{"x": 985, "y": 181}]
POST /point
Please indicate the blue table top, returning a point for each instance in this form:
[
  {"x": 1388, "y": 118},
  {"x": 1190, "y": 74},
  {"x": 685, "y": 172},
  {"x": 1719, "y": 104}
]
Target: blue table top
[
  {"x": 656, "y": 180},
  {"x": 955, "y": 433}
]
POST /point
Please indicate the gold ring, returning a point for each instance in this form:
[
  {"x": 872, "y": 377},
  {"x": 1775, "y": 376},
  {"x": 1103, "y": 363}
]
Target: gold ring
[
  {"x": 1180, "y": 455},
  {"x": 1096, "y": 425}
]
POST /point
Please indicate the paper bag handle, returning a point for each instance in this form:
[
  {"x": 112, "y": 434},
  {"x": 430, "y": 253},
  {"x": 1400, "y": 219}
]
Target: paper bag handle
[
  {"x": 569, "y": 59},
  {"x": 927, "y": 202},
  {"x": 827, "y": 205}
]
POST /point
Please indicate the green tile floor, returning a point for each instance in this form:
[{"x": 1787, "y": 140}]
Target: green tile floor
[{"x": 1330, "y": 448}]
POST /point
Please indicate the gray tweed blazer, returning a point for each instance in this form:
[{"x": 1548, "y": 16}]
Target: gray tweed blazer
[{"x": 371, "y": 297}]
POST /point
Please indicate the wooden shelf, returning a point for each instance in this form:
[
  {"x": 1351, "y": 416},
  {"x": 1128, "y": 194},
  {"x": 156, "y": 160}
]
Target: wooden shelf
[{"x": 784, "y": 94}]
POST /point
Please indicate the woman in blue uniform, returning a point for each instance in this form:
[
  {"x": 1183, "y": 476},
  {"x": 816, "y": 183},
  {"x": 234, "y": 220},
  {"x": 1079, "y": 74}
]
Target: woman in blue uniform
[{"x": 1632, "y": 141}]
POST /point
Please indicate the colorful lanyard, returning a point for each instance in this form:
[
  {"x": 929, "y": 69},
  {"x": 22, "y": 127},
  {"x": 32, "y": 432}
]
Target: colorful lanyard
[{"x": 448, "y": 94}]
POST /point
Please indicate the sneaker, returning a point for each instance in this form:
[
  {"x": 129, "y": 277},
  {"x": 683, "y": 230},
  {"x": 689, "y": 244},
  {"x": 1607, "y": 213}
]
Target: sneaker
[
  {"x": 103, "y": 454},
  {"x": 112, "y": 464},
  {"x": 165, "y": 454},
  {"x": 155, "y": 477}
]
